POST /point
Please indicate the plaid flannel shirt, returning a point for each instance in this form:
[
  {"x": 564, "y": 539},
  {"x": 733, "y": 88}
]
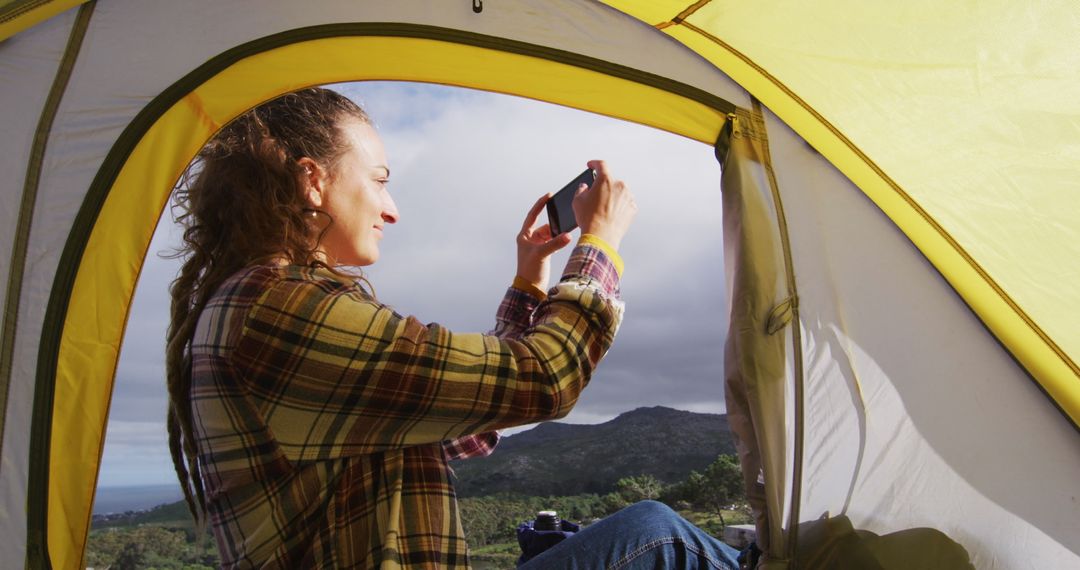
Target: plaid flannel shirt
[{"x": 324, "y": 420}]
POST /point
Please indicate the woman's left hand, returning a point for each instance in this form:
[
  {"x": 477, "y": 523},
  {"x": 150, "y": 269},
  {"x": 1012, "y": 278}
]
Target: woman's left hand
[{"x": 535, "y": 246}]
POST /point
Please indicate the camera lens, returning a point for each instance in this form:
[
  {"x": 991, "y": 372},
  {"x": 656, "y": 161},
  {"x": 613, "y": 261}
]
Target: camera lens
[{"x": 547, "y": 520}]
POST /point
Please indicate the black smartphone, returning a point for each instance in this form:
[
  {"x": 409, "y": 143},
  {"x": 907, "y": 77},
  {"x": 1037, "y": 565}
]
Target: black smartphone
[{"x": 560, "y": 208}]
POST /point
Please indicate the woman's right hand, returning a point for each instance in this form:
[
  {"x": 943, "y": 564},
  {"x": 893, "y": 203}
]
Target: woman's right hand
[{"x": 607, "y": 208}]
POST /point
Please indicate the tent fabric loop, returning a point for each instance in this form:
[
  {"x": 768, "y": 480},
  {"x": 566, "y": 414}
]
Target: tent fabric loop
[{"x": 780, "y": 316}]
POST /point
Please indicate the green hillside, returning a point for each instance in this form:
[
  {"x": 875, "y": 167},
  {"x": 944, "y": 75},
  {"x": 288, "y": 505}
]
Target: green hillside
[{"x": 565, "y": 459}]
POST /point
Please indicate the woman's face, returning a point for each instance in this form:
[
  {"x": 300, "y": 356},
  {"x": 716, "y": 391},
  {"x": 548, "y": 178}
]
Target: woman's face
[{"x": 355, "y": 196}]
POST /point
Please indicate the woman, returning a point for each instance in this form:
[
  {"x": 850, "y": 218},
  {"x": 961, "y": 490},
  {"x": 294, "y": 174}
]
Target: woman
[{"x": 312, "y": 425}]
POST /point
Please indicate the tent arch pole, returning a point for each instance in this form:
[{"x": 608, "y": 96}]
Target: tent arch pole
[{"x": 104, "y": 252}]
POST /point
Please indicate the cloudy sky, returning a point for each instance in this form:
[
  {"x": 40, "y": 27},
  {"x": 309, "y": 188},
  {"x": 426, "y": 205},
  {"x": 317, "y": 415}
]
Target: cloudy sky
[{"x": 466, "y": 167}]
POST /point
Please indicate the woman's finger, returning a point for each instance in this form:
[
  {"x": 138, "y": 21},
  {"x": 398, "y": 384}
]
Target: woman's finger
[
  {"x": 530, "y": 218},
  {"x": 553, "y": 245},
  {"x": 543, "y": 232},
  {"x": 600, "y": 167}
]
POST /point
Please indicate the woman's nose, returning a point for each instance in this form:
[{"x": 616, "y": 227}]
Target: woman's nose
[{"x": 389, "y": 212}]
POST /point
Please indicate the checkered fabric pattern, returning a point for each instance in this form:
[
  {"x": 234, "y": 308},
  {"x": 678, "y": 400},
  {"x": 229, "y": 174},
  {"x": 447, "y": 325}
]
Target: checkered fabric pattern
[{"x": 324, "y": 420}]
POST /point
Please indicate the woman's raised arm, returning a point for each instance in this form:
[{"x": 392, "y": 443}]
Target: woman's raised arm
[{"x": 333, "y": 373}]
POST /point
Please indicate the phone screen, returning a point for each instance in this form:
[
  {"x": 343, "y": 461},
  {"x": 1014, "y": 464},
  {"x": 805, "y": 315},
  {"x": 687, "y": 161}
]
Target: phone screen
[{"x": 560, "y": 207}]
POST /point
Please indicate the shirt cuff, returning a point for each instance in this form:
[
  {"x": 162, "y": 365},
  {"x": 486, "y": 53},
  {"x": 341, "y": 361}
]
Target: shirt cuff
[
  {"x": 616, "y": 259},
  {"x": 515, "y": 313},
  {"x": 525, "y": 287},
  {"x": 592, "y": 262}
]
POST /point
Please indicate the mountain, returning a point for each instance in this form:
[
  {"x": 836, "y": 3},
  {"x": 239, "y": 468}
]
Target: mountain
[{"x": 567, "y": 459}]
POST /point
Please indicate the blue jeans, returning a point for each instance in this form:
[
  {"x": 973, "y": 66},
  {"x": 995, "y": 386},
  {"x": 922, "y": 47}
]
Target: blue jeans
[{"x": 647, "y": 535}]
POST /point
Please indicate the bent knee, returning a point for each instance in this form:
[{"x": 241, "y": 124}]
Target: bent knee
[
  {"x": 652, "y": 509},
  {"x": 652, "y": 517}
]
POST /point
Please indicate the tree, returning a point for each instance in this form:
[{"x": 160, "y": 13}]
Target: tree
[
  {"x": 720, "y": 485},
  {"x": 639, "y": 488},
  {"x": 131, "y": 557},
  {"x": 139, "y": 547},
  {"x": 611, "y": 503}
]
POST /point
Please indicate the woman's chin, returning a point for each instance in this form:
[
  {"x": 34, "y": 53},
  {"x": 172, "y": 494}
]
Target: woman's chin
[{"x": 359, "y": 260}]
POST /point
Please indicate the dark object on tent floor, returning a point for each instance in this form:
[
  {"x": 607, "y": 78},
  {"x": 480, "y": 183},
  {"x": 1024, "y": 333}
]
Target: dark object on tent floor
[
  {"x": 833, "y": 543},
  {"x": 534, "y": 540}
]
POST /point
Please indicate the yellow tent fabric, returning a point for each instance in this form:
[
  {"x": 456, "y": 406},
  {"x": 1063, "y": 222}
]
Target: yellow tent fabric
[
  {"x": 17, "y": 15},
  {"x": 951, "y": 92}
]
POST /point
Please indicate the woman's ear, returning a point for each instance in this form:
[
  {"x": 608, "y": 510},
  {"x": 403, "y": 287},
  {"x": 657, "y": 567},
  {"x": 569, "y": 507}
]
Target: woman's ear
[{"x": 313, "y": 181}]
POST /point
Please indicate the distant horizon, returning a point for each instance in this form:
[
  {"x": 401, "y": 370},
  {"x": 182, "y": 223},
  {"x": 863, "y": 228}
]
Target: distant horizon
[{"x": 136, "y": 486}]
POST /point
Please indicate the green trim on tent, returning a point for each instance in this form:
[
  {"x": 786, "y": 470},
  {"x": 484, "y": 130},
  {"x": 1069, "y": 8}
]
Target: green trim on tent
[{"x": 82, "y": 226}]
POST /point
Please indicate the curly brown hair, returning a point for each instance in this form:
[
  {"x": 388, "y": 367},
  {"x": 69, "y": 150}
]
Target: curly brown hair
[{"x": 242, "y": 203}]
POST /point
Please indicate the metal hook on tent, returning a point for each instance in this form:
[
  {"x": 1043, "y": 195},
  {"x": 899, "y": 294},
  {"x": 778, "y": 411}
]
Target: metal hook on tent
[
  {"x": 723, "y": 141},
  {"x": 477, "y": 6}
]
